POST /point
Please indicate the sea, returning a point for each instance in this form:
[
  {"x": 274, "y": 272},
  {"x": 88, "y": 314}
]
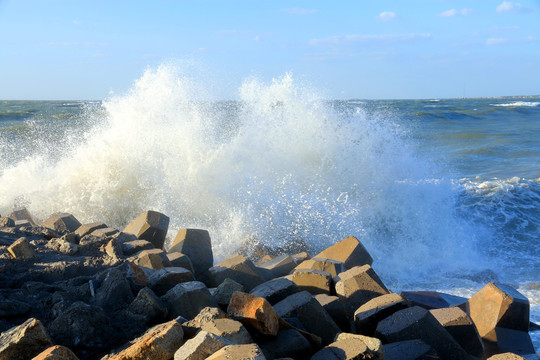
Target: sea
[{"x": 444, "y": 193}]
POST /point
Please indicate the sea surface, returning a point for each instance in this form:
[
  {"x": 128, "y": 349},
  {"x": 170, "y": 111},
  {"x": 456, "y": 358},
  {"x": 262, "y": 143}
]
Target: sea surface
[{"x": 444, "y": 193}]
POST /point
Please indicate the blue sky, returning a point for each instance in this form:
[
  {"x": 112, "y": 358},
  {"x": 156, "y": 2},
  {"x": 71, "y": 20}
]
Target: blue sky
[{"x": 348, "y": 49}]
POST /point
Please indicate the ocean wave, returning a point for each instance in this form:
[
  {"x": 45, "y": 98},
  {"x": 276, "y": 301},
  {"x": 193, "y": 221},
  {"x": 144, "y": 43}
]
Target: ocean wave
[{"x": 519, "y": 103}]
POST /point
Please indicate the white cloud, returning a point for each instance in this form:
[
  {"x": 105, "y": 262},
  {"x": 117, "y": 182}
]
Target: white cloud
[
  {"x": 387, "y": 16},
  {"x": 348, "y": 39},
  {"x": 496, "y": 41},
  {"x": 456, "y": 12},
  {"x": 512, "y": 7},
  {"x": 299, "y": 11}
]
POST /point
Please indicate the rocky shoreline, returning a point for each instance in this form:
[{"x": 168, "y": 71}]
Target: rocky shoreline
[{"x": 87, "y": 291}]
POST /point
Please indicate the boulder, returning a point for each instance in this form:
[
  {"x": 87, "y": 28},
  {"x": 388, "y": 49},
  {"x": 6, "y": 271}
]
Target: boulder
[
  {"x": 136, "y": 274},
  {"x": 238, "y": 352},
  {"x": 288, "y": 343},
  {"x": 104, "y": 232},
  {"x": 134, "y": 246},
  {"x": 333, "y": 267},
  {"x": 349, "y": 251},
  {"x": 115, "y": 292},
  {"x": 506, "y": 356},
  {"x": 21, "y": 213},
  {"x": 374, "y": 345},
  {"x": 358, "y": 285},
  {"x": 62, "y": 246},
  {"x": 151, "y": 226},
  {"x": 300, "y": 257},
  {"x": 280, "y": 265},
  {"x": 501, "y": 315},
  {"x": 114, "y": 249},
  {"x": 238, "y": 268},
  {"x": 345, "y": 349},
  {"x": 201, "y": 346},
  {"x": 207, "y": 314},
  {"x": 263, "y": 260},
  {"x": 148, "y": 305},
  {"x": 157, "y": 343},
  {"x": 177, "y": 259},
  {"x": 21, "y": 249},
  {"x": 6, "y": 222},
  {"x": 62, "y": 223},
  {"x": 196, "y": 244},
  {"x": 310, "y": 314},
  {"x": 275, "y": 290},
  {"x": 336, "y": 309},
  {"x": 165, "y": 279},
  {"x": 225, "y": 290},
  {"x": 254, "y": 312},
  {"x": 461, "y": 327},
  {"x": 409, "y": 350},
  {"x": 188, "y": 299},
  {"x": 153, "y": 259},
  {"x": 418, "y": 323},
  {"x": 229, "y": 329},
  {"x": 56, "y": 352},
  {"x": 314, "y": 281},
  {"x": 87, "y": 229},
  {"x": 367, "y": 316},
  {"x": 24, "y": 341},
  {"x": 10, "y": 307},
  {"x": 432, "y": 299}
]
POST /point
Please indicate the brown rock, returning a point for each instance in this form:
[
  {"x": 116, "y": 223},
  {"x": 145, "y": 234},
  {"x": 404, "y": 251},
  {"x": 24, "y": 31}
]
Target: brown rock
[
  {"x": 229, "y": 329},
  {"x": 349, "y": 251},
  {"x": 314, "y": 281},
  {"x": 157, "y": 343},
  {"x": 134, "y": 246},
  {"x": 151, "y": 226},
  {"x": 346, "y": 349},
  {"x": 201, "y": 346},
  {"x": 196, "y": 244},
  {"x": 238, "y": 268},
  {"x": 87, "y": 229},
  {"x": 333, "y": 267},
  {"x": 153, "y": 259},
  {"x": 367, "y": 316},
  {"x": 62, "y": 223},
  {"x": 280, "y": 265},
  {"x": 373, "y": 344},
  {"x": 238, "y": 352},
  {"x": 506, "y": 356},
  {"x": 177, "y": 259},
  {"x": 57, "y": 352},
  {"x": 105, "y": 232},
  {"x": 21, "y": 249},
  {"x": 254, "y": 312},
  {"x": 114, "y": 249},
  {"x": 300, "y": 257},
  {"x": 137, "y": 274},
  {"x": 24, "y": 341},
  {"x": 207, "y": 314}
]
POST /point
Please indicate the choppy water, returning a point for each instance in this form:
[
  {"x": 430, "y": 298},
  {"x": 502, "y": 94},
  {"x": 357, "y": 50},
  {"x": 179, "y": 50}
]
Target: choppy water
[{"x": 438, "y": 190}]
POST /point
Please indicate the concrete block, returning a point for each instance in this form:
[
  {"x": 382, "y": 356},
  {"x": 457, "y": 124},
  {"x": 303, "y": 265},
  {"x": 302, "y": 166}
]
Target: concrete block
[
  {"x": 151, "y": 226},
  {"x": 349, "y": 251}
]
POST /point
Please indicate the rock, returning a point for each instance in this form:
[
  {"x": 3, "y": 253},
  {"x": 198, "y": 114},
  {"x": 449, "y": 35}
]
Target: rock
[
  {"x": 57, "y": 352},
  {"x": 349, "y": 251},
  {"x": 418, "y": 323},
  {"x": 367, "y": 316},
  {"x": 136, "y": 274},
  {"x": 157, "y": 343},
  {"x": 229, "y": 329},
  {"x": 275, "y": 290},
  {"x": 165, "y": 279},
  {"x": 461, "y": 327},
  {"x": 178, "y": 259},
  {"x": 10, "y": 308},
  {"x": 264, "y": 259},
  {"x": 87, "y": 229},
  {"x": 62, "y": 223},
  {"x": 22, "y": 223},
  {"x": 280, "y": 265},
  {"x": 409, "y": 350},
  {"x": 105, "y": 232},
  {"x": 24, "y": 341},
  {"x": 114, "y": 249},
  {"x": 134, "y": 246},
  {"x": 336, "y": 309},
  {"x": 188, "y": 299},
  {"x": 238, "y": 268},
  {"x": 205, "y": 315},
  {"x": 358, "y": 285},
  {"x": 288, "y": 343},
  {"x": 314, "y": 281},
  {"x": 62, "y": 246},
  {"x": 254, "y": 312},
  {"x": 238, "y": 352},
  {"x": 346, "y": 349},
  {"x": 310, "y": 314},
  {"x": 6, "y": 222},
  {"x": 201, "y": 346},
  {"x": 151, "y": 226},
  {"x": 225, "y": 290},
  {"x": 153, "y": 259},
  {"x": 373, "y": 344},
  {"x": 196, "y": 244},
  {"x": 432, "y": 299},
  {"x": 115, "y": 291},
  {"x": 506, "y": 356},
  {"x": 501, "y": 315},
  {"x": 21, "y": 213},
  {"x": 21, "y": 249},
  {"x": 147, "y": 304},
  {"x": 333, "y": 267},
  {"x": 300, "y": 257}
]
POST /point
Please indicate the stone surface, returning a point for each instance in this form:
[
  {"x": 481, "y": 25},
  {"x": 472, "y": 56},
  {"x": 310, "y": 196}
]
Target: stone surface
[
  {"x": 254, "y": 312},
  {"x": 165, "y": 279},
  {"x": 280, "y": 265},
  {"x": 418, "y": 323},
  {"x": 188, "y": 299},
  {"x": 153, "y": 259},
  {"x": 134, "y": 246},
  {"x": 358, "y": 285},
  {"x": 333, "y": 267},
  {"x": 310, "y": 314},
  {"x": 506, "y": 356},
  {"x": 157, "y": 343},
  {"x": 62, "y": 223},
  {"x": 115, "y": 291},
  {"x": 196, "y": 244},
  {"x": 288, "y": 343},
  {"x": 409, "y": 350},
  {"x": 62, "y": 246},
  {"x": 432, "y": 299},
  {"x": 24, "y": 341},
  {"x": 151, "y": 226},
  {"x": 201, "y": 346},
  {"x": 346, "y": 349},
  {"x": 336, "y": 309},
  {"x": 56, "y": 352},
  {"x": 104, "y": 232},
  {"x": 6, "y": 222},
  {"x": 238, "y": 268},
  {"x": 229, "y": 329},
  {"x": 275, "y": 290},
  {"x": 349, "y": 251},
  {"x": 205, "y": 315},
  {"x": 86, "y": 229},
  {"x": 300, "y": 257},
  {"x": 148, "y": 305},
  {"x": 177, "y": 259},
  {"x": 238, "y": 352},
  {"x": 22, "y": 213},
  {"x": 21, "y": 249},
  {"x": 314, "y": 281},
  {"x": 373, "y": 344},
  {"x": 461, "y": 327},
  {"x": 367, "y": 316},
  {"x": 225, "y": 290}
]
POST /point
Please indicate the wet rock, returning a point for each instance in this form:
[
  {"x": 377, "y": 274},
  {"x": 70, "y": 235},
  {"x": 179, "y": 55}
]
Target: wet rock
[
  {"x": 24, "y": 341},
  {"x": 346, "y": 349},
  {"x": 333, "y": 267},
  {"x": 288, "y": 343},
  {"x": 188, "y": 299},
  {"x": 151, "y": 226},
  {"x": 57, "y": 352},
  {"x": 134, "y": 246},
  {"x": 238, "y": 352},
  {"x": 349, "y": 251},
  {"x": 201, "y": 346},
  {"x": 409, "y": 350},
  {"x": 178, "y": 259},
  {"x": 223, "y": 293},
  {"x": 148, "y": 305},
  {"x": 280, "y": 265},
  {"x": 165, "y": 279},
  {"x": 62, "y": 223},
  {"x": 373, "y": 344},
  {"x": 87, "y": 229},
  {"x": 238, "y": 268},
  {"x": 314, "y": 281},
  {"x": 196, "y": 244},
  {"x": 336, "y": 309},
  {"x": 367, "y": 316},
  {"x": 21, "y": 249},
  {"x": 254, "y": 312},
  {"x": 432, "y": 299},
  {"x": 275, "y": 290}
]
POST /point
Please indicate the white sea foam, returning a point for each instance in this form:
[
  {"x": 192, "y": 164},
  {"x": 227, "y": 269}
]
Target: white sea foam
[{"x": 519, "y": 103}]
